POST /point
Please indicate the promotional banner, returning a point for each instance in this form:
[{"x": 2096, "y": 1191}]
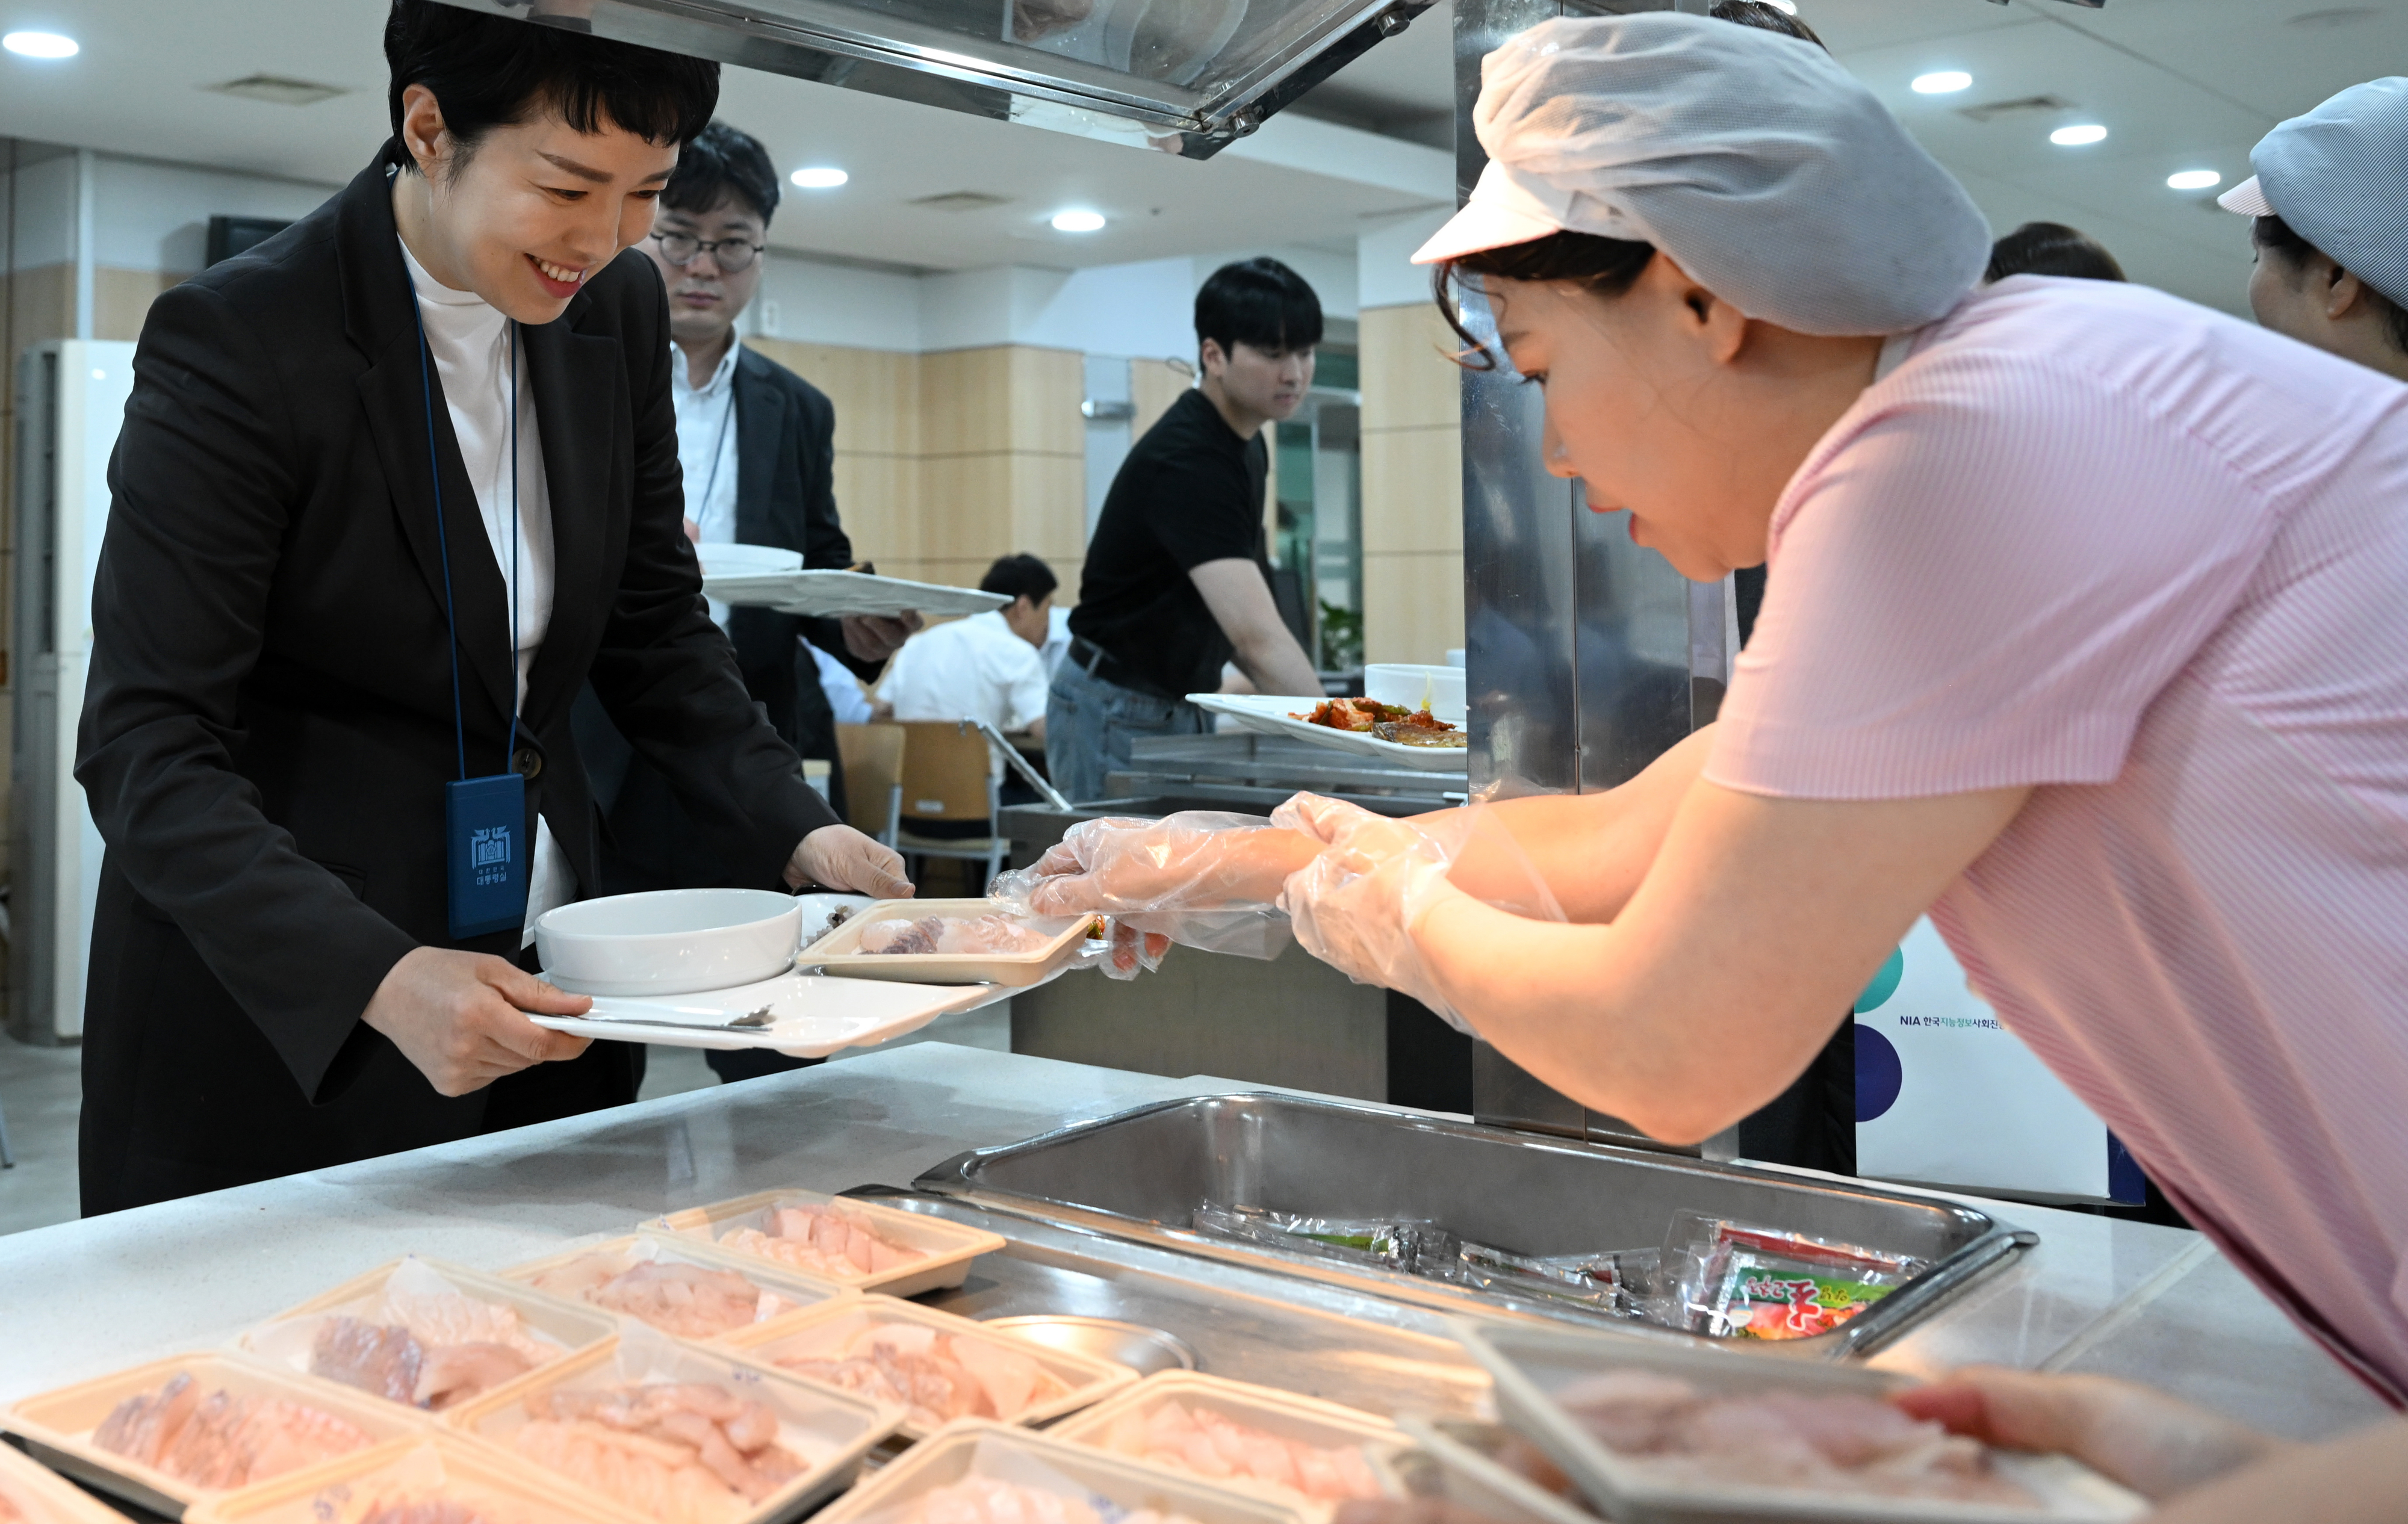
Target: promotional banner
[{"x": 1947, "y": 1096}]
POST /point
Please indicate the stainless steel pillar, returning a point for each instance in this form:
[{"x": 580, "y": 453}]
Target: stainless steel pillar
[{"x": 1587, "y": 655}]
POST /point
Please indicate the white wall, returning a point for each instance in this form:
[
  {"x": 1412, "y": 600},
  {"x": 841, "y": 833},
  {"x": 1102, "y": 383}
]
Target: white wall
[
  {"x": 836, "y": 304},
  {"x": 149, "y": 216},
  {"x": 45, "y": 231},
  {"x": 1385, "y": 275}
]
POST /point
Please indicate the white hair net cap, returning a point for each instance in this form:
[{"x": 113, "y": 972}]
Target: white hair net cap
[
  {"x": 1768, "y": 171},
  {"x": 2339, "y": 177}
]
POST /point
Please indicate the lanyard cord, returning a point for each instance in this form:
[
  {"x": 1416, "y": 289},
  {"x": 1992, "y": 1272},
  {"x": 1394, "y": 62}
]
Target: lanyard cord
[{"x": 443, "y": 545}]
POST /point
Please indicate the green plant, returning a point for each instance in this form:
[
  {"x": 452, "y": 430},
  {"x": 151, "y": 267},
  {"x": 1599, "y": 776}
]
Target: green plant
[{"x": 1342, "y": 638}]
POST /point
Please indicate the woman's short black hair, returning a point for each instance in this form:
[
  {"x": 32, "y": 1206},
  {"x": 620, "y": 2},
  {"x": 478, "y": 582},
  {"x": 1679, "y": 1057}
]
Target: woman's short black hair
[
  {"x": 2051, "y": 248},
  {"x": 1767, "y": 18},
  {"x": 492, "y": 71},
  {"x": 1599, "y": 265},
  {"x": 1020, "y": 576},
  {"x": 719, "y": 162},
  {"x": 2272, "y": 235},
  {"x": 1259, "y": 303}
]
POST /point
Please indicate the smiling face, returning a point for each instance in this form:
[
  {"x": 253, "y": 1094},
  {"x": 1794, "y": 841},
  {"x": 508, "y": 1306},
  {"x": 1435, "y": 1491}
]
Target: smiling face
[
  {"x": 533, "y": 210},
  {"x": 705, "y": 299},
  {"x": 1670, "y": 405}
]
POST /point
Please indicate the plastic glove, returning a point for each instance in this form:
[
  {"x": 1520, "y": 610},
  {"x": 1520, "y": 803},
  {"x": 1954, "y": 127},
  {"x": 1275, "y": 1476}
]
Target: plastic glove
[
  {"x": 1356, "y": 904},
  {"x": 1200, "y": 878},
  {"x": 838, "y": 856},
  {"x": 2154, "y": 1443}
]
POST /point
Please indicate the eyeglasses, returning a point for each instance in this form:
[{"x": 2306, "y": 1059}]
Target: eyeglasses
[{"x": 730, "y": 254}]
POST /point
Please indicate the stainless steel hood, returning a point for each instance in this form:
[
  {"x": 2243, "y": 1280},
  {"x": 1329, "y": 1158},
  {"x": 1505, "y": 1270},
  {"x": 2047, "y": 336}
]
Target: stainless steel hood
[{"x": 1184, "y": 77}]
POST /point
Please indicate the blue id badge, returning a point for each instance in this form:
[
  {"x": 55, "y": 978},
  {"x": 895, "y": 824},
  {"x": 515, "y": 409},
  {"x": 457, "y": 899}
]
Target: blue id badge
[{"x": 484, "y": 827}]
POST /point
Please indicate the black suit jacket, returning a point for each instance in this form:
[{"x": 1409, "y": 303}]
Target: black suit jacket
[{"x": 269, "y": 724}]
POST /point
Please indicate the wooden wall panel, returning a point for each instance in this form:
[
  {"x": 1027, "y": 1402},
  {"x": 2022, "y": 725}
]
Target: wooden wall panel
[
  {"x": 1154, "y": 386},
  {"x": 1412, "y": 486}
]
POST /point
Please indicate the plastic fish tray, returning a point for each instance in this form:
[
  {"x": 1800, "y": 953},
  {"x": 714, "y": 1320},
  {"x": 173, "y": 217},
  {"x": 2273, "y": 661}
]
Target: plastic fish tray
[
  {"x": 42, "y": 1497},
  {"x": 976, "y": 1447},
  {"x": 574, "y": 1327},
  {"x": 58, "y": 1425},
  {"x": 1450, "y": 1465},
  {"x": 830, "y": 1430},
  {"x": 819, "y": 1332},
  {"x": 1308, "y": 1419},
  {"x": 949, "y": 1246},
  {"x": 499, "y": 1488},
  {"x": 1530, "y": 1364},
  {"x": 838, "y": 952},
  {"x": 797, "y": 1290}
]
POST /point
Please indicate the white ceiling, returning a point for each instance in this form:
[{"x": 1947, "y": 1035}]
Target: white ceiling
[{"x": 2179, "y": 84}]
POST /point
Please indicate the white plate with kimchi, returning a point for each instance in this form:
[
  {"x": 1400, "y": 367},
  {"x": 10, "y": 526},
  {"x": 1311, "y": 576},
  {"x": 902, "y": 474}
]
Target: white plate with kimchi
[{"x": 1357, "y": 725}]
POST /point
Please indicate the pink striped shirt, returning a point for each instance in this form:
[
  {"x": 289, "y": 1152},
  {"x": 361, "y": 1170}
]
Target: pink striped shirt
[{"x": 2155, "y": 562}]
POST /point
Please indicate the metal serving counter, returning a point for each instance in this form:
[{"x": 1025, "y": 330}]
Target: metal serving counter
[{"x": 86, "y": 1298}]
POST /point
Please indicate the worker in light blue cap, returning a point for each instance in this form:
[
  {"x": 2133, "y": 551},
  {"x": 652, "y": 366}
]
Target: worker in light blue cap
[{"x": 2331, "y": 199}]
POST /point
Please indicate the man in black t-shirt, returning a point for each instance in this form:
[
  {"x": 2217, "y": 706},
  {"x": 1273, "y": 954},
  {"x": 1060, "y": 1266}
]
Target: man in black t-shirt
[{"x": 1177, "y": 584}]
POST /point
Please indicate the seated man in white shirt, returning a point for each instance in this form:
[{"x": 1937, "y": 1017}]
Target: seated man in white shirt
[{"x": 983, "y": 667}]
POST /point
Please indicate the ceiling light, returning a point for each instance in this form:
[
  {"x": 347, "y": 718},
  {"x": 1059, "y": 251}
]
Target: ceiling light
[
  {"x": 1942, "y": 82},
  {"x": 2079, "y": 135},
  {"x": 1078, "y": 222},
  {"x": 1786, "y": 8},
  {"x": 821, "y": 178},
  {"x": 2194, "y": 180},
  {"x": 40, "y": 45}
]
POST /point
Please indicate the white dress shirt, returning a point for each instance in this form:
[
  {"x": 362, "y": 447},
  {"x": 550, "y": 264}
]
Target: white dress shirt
[
  {"x": 846, "y": 700},
  {"x": 706, "y": 426},
  {"x": 970, "y": 669},
  {"x": 470, "y": 341},
  {"x": 1057, "y": 639}
]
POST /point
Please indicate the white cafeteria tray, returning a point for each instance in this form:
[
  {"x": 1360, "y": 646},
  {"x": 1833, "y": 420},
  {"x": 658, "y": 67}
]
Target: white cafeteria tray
[
  {"x": 836, "y": 952},
  {"x": 284, "y": 1339},
  {"x": 827, "y": 593},
  {"x": 498, "y": 1488},
  {"x": 1272, "y": 714},
  {"x": 829, "y": 1431},
  {"x": 949, "y": 1246},
  {"x": 1529, "y": 1364},
  {"x": 1448, "y": 1467},
  {"x": 822, "y": 1333},
  {"x": 58, "y": 1425},
  {"x": 976, "y": 1447},
  {"x": 810, "y": 1015},
  {"x": 39, "y": 1497},
  {"x": 1309, "y": 1420},
  {"x": 791, "y": 1291}
]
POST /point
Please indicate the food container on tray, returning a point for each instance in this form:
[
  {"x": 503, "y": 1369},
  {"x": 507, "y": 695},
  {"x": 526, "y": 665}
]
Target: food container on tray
[
  {"x": 58, "y": 1426},
  {"x": 1450, "y": 1462},
  {"x": 498, "y": 1489},
  {"x": 949, "y": 1246},
  {"x": 974, "y": 1448},
  {"x": 794, "y": 1290},
  {"x": 822, "y": 1332},
  {"x": 1413, "y": 686},
  {"x": 830, "y": 1432},
  {"x": 284, "y": 1339},
  {"x": 1308, "y": 1419},
  {"x": 40, "y": 1497},
  {"x": 1529, "y": 1364},
  {"x": 670, "y": 941},
  {"x": 837, "y": 952}
]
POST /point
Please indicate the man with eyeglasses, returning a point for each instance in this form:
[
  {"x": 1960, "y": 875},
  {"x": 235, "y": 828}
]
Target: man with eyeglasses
[{"x": 755, "y": 444}]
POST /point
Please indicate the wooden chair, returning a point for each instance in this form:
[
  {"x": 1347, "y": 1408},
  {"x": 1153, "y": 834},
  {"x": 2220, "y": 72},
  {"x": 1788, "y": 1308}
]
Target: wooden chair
[
  {"x": 873, "y": 777},
  {"x": 949, "y": 780}
]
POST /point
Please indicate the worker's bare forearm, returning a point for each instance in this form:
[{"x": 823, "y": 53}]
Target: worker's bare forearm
[{"x": 1279, "y": 666}]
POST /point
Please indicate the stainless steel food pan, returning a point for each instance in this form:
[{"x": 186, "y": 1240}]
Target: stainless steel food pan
[{"x": 1140, "y": 1176}]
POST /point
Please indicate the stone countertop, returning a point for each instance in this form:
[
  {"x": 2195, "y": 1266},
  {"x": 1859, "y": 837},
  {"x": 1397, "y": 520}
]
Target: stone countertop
[{"x": 81, "y": 1299}]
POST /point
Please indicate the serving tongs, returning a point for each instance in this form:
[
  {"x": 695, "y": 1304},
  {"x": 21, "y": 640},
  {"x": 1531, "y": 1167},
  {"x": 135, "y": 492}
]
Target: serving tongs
[{"x": 749, "y": 1021}]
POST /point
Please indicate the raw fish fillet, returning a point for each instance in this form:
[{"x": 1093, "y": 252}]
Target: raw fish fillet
[
  {"x": 1199, "y": 1440},
  {"x": 423, "y": 1511},
  {"x": 221, "y": 1440},
  {"x": 453, "y": 1372},
  {"x": 824, "y": 1240},
  {"x": 681, "y": 1453},
  {"x": 372, "y": 1356},
  {"x": 1833, "y": 1443},
  {"x": 10, "y": 1512},
  {"x": 451, "y": 1317},
  {"x": 982, "y": 1499},
  {"x": 685, "y": 1300},
  {"x": 412, "y": 1364},
  {"x": 956, "y": 936},
  {"x": 935, "y": 1375}
]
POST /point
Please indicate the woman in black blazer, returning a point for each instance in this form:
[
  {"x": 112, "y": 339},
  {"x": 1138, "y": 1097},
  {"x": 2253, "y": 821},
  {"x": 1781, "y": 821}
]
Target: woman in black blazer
[{"x": 270, "y": 720}]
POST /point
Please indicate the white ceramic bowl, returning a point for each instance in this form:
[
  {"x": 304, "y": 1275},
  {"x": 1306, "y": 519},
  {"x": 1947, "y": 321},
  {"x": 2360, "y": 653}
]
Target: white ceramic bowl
[
  {"x": 1399, "y": 682},
  {"x": 669, "y": 942},
  {"x": 747, "y": 560}
]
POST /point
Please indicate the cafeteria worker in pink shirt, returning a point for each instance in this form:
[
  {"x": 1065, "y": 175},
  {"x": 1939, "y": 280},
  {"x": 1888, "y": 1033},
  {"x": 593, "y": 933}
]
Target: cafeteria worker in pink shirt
[{"x": 2082, "y": 634}]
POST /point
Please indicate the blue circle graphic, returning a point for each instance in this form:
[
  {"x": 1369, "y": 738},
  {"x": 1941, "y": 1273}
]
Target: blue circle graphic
[
  {"x": 1880, "y": 1076},
  {"x": 1884, "y": 982}
]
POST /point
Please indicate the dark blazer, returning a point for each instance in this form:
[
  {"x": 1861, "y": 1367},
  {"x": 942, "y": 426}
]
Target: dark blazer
[{"x": 269, "y": 723}]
